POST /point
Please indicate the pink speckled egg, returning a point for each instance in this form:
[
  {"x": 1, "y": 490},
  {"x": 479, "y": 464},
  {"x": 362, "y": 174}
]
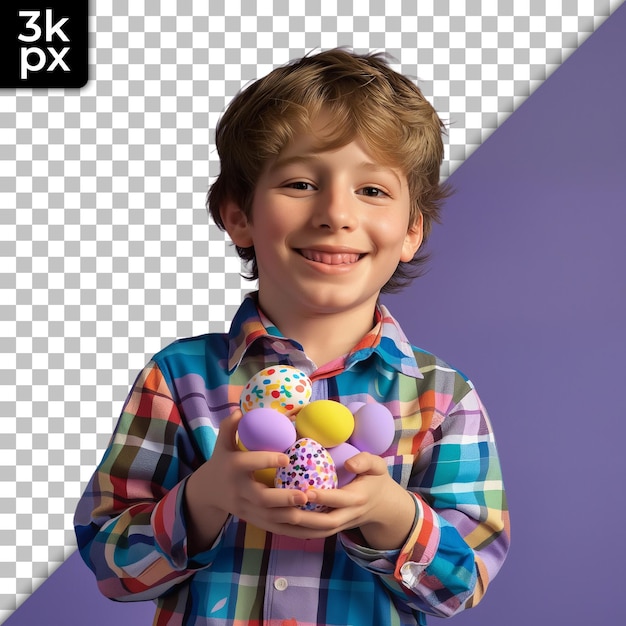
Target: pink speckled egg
[
  {"x": 340, "y": 454},
  {"x": 310, "y": 467},
  {"x": 266, "y": 429},
  {"x": 280, "y": 387},
  {"x": 374, "y": 429}
]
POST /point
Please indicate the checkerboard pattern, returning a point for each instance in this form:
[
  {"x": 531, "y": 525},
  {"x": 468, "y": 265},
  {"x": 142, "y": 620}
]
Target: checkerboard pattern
[{"x": 107, "y": 250}]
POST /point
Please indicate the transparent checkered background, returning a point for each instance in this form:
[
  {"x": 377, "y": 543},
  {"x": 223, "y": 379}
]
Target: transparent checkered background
[{"x": 107, "y": 250}]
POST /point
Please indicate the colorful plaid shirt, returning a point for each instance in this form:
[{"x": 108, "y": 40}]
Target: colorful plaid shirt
[{"x": 130, "y": 522}]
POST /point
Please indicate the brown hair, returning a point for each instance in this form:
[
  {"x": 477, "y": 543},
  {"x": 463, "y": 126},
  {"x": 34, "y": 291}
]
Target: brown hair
[{"x": 365, "y": 98}]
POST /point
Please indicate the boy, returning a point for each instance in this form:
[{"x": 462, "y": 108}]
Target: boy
[{"x": 329, "y": 183}]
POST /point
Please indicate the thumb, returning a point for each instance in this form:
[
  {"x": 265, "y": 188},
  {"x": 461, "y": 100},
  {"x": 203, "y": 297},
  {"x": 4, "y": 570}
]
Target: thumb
[
  {"x": 366, "y": 463},
  {"x": 227, "y": 433}
]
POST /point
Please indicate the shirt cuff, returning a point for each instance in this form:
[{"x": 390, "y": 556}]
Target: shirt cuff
[
  {"x": 408, "y": 563},
  {"x": 376, "y": 561},
  {"x": 421, "y": 545},
  {"x": 170, "y": 532}
]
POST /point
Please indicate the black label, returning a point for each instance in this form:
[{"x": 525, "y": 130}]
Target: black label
[{"x": 43, "y": 44}]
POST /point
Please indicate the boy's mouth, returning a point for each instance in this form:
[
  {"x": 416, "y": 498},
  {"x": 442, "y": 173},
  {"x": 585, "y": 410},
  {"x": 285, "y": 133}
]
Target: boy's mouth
[{"x": 330, "y": 258}]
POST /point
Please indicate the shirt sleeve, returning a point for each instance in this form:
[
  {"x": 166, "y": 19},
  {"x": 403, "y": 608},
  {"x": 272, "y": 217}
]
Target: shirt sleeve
[
  {"x": 130, "y": 521},
  {"x": 461, "y": 532}
]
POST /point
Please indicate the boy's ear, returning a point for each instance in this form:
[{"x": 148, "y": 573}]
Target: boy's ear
[
  {"x": 413, "y": 239},
  {"x": 237, "y": 224}
]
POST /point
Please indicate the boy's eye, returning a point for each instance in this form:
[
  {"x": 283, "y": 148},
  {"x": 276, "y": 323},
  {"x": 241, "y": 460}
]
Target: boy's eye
[
  {"x": 300, "y": 185},
  {"x": 373, "y": 192}
]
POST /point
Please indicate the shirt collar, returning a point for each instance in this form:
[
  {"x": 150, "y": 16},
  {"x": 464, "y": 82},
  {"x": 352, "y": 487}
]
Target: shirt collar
[
  {"x": 246, "y": 328},
  {"x": 386, "y": 339}
]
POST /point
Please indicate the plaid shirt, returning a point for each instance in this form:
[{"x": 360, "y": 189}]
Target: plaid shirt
[{"x": 130, "y": 522}]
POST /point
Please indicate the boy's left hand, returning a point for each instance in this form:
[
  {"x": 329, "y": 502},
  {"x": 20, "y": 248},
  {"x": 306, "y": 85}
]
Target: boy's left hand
[{"x": 381, "y": 508}]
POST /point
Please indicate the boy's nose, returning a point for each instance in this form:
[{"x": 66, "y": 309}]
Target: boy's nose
[{"x": 335, "y": 211}]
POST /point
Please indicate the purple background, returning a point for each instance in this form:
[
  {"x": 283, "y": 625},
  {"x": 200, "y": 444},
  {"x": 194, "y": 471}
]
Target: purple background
[{"x": 526, "y": 293}]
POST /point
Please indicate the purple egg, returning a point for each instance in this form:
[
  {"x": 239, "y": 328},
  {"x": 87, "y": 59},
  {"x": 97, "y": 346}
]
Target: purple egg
[
  {"x": 374, "y": 429},
  {"x": 353, "y": 407},
  {"x": 266, "y": 429},
  {"x": 340, "y": 454}
]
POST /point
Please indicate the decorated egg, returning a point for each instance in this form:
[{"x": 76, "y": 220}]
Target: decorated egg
[
  {"x": 265, "y": 429},
  {"x": 326, "y": 421},
  {"x": 281, "y": 387},
  {"x": 340, "y": 454},
  {"x": 310, "y": 467},
  {"x": 374, "y": 429}
]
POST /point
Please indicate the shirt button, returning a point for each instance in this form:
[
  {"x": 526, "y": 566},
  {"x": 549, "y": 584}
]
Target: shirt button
[{"x": 280, "y": 584}]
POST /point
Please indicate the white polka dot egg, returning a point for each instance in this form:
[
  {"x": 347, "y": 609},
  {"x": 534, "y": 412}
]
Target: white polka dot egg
[{"x": 283, "y": 388}]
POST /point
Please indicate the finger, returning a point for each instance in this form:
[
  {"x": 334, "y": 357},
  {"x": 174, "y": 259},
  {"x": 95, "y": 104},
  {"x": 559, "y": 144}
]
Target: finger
[
  {"x": 232, "y": 419},
  {"x": 324, "y": 522},
  {"x": 366, "y": 463},
  {"x": 228, "y": 428},
  {"x": 251, "y": 461},
  {"x": 333, "y": 498},
  {"x": 274, "y": 498}
]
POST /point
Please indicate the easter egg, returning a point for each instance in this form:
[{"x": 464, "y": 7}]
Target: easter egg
[
  {"x": 280, "y": 387},
  {"x": 340, "y": 454},
  {"x": 239, "y": 444},
  {"x": 353, "y": 407},
  {"x": 310, "y": 467},
  {"x": 326, "y": 421},
  {"x": 374, "y": 429},
  {"x": 265, "y": 429},
  {"x": 267, "y": 476}
]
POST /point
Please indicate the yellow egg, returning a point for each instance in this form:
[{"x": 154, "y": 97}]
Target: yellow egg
[
  {"x": 326, "y": 421},
  {"x": 240, "y": 444},
  {"x": 265, "y": 476}
]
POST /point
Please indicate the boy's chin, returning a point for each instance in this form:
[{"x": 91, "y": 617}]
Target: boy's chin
[{"x": 339, "y": 300}]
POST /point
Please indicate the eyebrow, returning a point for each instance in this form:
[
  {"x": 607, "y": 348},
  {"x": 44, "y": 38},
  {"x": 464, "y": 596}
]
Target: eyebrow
[
  {"x": 377, "y": 167},
  {"x": 307, "y": 158},
  {"x": 298, "y": 158}
]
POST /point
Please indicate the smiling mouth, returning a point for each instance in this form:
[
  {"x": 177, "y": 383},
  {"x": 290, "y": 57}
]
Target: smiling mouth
[{"x": 331, "y": 258}]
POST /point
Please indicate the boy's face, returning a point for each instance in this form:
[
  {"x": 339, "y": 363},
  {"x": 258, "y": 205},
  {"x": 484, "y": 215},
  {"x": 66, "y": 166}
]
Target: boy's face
[{"x": 328, "y": 228}]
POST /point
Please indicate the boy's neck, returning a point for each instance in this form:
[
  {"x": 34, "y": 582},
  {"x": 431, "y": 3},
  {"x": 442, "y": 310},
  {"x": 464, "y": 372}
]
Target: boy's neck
[{"x": 323, "y": 336}]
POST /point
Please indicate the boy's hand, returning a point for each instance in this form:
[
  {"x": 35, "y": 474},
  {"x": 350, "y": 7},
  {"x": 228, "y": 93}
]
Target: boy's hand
[
  {"x": 225, "y": 485},
  {"x": 381, "y": 508}
]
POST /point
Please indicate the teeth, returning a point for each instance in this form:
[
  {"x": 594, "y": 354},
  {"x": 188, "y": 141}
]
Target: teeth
[{"x": 331, "y": 258}]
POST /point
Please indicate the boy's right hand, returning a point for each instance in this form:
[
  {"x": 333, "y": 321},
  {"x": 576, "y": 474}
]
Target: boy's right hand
[{"x": 224, "y": 485}]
